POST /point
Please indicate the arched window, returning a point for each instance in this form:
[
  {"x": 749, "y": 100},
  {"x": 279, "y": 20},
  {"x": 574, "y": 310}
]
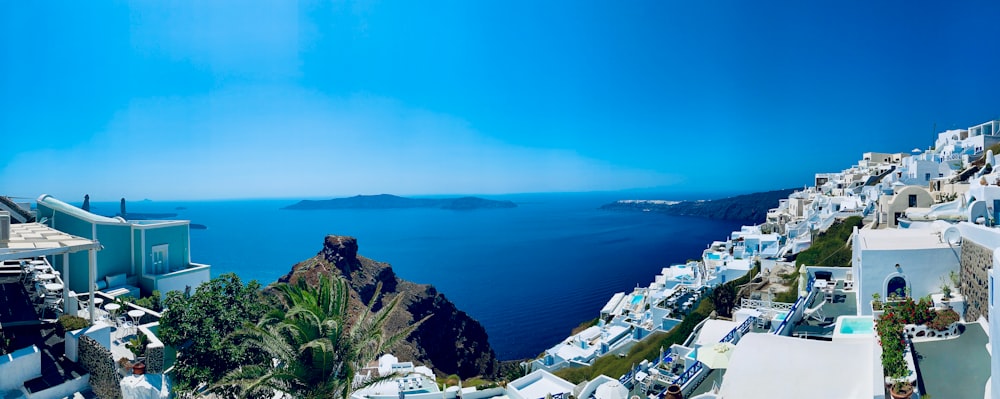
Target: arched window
[{"x": 896, "y": 285}]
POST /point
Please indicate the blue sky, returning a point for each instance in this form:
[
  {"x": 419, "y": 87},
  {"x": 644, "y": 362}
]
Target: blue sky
[{"x": 226, "y": 99}]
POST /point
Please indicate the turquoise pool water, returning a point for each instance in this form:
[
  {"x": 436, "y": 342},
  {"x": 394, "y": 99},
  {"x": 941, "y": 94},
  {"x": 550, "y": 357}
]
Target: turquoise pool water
[
  {"x": 636, "y": 299},
  {"x": 857, "y": 326},
  {"x": 780, "y": 317},
  {"x": 714, "y": 256}
]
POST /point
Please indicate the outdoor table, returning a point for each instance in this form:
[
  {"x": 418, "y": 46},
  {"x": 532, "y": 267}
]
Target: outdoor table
[
  {"x": 820, "y": 284},
  {"x": 37, "y": 262},
  {"x": 112, "y": 309},
  {"x": 42, "y": 268},
  {"x": 53, "y": 287},
  {"x": 136, "y": 314},
  {"x": 46, "y": 277}
]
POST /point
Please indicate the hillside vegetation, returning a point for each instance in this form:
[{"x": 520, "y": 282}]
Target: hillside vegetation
[{"x": 829, "y": 248}]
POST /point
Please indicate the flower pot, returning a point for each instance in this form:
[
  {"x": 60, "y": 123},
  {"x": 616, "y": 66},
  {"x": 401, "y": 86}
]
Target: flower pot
[
  {"x": 904, "y": 392},
  {"x": 139, "y": 369},
  {"x": 877, "y": 309},
  {"x": 674, "y": 392}
]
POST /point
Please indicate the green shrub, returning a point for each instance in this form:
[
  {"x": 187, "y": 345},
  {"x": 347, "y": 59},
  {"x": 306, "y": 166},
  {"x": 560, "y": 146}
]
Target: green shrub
[
  {"x": 151, "y": 302},
  {"x": 138, "y": 344},
  {"x": 942, "y": 319},
  {"x": 70, "y": 323},
  {"x": 830, "y": 248}
]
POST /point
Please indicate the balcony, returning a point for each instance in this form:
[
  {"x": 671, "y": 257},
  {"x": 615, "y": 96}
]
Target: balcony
[{"x": 191, "y": 276}]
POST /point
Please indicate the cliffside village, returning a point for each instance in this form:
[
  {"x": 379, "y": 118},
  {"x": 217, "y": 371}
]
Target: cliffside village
[{"x": 927, "y": 244}]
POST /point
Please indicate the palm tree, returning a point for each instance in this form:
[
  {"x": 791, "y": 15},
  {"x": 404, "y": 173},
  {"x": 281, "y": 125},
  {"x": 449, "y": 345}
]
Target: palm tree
[{"x": 312, "y": 348}]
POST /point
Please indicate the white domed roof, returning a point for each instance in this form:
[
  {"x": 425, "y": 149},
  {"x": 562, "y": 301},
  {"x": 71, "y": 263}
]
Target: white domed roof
[{"x": 611, "y": 390}]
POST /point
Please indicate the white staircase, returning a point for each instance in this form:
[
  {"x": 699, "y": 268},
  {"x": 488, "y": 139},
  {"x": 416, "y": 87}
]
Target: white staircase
[{"x": 17, "y": 213}]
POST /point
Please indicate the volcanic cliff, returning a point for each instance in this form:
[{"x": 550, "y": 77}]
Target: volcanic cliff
[{"x": 450, "y": 341}]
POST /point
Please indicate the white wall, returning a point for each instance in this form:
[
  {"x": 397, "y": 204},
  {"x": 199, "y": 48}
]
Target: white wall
[
  {"x": 921, "y": 268},
  {"x": 179, "y": 280},
  {"x": 994, "y": 330},
  {"x": 985, "y": 236},
  {"x": 19, "y": 366},
  {"x": 99, "y": 332}
]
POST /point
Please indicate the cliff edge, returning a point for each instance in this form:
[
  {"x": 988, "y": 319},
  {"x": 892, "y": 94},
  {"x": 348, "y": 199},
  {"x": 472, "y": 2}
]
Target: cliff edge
[{"x": 450, "y": 342}]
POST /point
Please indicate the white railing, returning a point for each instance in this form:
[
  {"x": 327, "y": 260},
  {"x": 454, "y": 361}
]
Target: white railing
[{"x": 761, "y": 304}]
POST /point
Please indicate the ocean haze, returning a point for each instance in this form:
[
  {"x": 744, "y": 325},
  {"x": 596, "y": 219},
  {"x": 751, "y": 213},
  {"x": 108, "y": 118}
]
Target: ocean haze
[{"x": 528, "y": 274}]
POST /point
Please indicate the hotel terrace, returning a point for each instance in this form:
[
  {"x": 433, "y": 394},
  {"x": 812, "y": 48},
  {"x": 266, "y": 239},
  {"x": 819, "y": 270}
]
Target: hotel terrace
[{"x": 61, "y": 260}]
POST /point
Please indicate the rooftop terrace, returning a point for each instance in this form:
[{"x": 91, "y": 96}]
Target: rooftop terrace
[
  {"x": 21, "y": 324},
  {"x": 843, "y": 303},
  {"x": 955, "y": 368}
]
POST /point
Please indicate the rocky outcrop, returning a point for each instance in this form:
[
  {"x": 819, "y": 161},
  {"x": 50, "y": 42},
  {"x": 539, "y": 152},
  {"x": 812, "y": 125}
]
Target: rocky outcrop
[{"x": 450, "y": 341}]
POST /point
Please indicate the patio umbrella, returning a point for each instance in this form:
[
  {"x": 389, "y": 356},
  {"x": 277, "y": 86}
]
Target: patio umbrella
[{"x": 716, "y": 356}]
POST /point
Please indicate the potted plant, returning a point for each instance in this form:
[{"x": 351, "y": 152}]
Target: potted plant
[
  {"x": 137, "y": 345},
  {"x": 945, "y": 294},
  {"x": 894, "y": 367},
  {"x": 125, "y": 364},
  {"x": 876, "y": 305}
]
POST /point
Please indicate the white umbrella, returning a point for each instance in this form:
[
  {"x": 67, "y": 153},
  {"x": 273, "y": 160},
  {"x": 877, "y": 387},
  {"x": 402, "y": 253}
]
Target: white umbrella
[{"x": 716, "y": 356}]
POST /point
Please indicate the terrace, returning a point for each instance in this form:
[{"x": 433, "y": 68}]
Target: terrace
[
  {"x": 44, "y": 362},
  {"x": 955, "y": 368},
  {"x": 824, "y": 306},
  {"x": 35, "y": 363}
]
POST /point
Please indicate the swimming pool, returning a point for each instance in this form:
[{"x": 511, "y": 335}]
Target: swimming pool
[
  {"x": 854, "y": 325},
  {"x": 780, "y": 317},
  {"x": 714, "y": 256},
  {"x": 636, "y": 299}
]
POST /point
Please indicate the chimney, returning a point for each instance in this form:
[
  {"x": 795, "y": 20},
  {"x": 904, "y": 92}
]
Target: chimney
[
  {"x": 86, "y": 202},
  {"x": 4, "y": 226},
  {"x": 123, "y": 214}
]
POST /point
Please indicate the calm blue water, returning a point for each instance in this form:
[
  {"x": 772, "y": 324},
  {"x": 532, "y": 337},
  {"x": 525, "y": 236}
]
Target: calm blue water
[{"x": 528, "y": 274}]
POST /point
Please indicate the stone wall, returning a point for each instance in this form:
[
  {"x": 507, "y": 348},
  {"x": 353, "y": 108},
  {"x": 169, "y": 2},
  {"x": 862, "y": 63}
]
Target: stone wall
[
  {"x": 976, "y": 261},
  {"x": 97, "y": 360},
  {"x": 154, "y": 359}
]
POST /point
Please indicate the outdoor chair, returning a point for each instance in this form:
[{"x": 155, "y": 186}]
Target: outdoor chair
[{"x": 55, "y": 305}]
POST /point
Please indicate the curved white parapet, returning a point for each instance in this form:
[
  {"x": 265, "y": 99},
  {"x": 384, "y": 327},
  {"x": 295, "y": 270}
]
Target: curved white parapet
[
  {"x": 921, "y": 333},
  {"x": 55, "y": 204},
  {"x": 952, "y": 236}
]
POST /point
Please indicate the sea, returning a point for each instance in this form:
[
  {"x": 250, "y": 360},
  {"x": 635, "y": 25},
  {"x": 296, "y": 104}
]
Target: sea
[{"x": 529, "y": 274}]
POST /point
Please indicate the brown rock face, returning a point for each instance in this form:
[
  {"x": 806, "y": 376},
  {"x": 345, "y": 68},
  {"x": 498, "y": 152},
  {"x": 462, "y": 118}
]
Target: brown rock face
[
  {"x": 341, "y": 251},
  {"x": 450, "y": 341}
]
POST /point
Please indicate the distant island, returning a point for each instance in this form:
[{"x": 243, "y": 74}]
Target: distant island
[
  {"x": 388, "y": 201},
  {"x": 148, "y": 215},
  {"x": 749, "y": 207}
]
